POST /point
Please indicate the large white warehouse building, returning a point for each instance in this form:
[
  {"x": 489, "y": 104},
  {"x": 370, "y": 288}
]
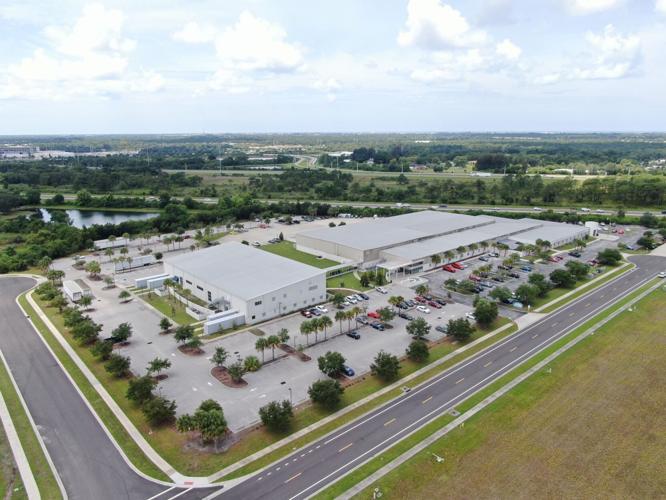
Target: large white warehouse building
[
  {"x": 406, "y": 243},
  {"x": 258, "y": 284}
]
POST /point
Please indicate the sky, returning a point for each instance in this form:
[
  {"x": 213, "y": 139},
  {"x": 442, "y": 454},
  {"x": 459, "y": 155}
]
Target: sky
[{"x": 215, "y": 66}]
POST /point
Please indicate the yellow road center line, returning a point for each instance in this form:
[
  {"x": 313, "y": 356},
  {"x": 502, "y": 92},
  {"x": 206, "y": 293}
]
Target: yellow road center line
[
  {"x": 513, "y": 349},
  {"x": 460, "y": 380},
  {"x": 426, "y": 400},
  {"x": 488, "y": 364},
  {"x": 344, "y": 448},
  {"x": 293, "y": 477},
  {"x": 535, "y": 335},
  {"x": 389, "y": 422}
]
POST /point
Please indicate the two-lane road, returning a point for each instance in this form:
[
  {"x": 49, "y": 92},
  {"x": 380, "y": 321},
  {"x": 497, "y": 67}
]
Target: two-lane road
[
  {"x": 318, "y": 465},
  {"x": 87, "y": 461}
]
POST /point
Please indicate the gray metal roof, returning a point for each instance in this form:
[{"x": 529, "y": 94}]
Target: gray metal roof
[
  {"x": 426, "y": 248},
  {"x": 391, "y": 231},
  {"x": 241, "y": 270},
  {"x": 550, "y": 231}
]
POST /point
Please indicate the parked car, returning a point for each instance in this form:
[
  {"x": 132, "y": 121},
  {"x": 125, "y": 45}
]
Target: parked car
[
  {"x": 503, "y": 267},
  {"x": 373, "y": 314},
  {"x": 348, "y": 371},
  {"x": 315, "y": 312},
  {"x": 381, "y": 290},
  {"x": 354, "y": 335},
  {"x": 406, "y": 316},
  {"x": 420, "y": 299},
  {"x": 434, "y": 304},
  {"x": 363, "y": 296},
  {"x": 363, "y": 320},
  {"x": 449, "y": 268},
  {"x": 661, "y": 275},
  {"x": 493, "y": 254},
  {"x": 403, "y": 305},
  {"x": 442, "y": 329},
  {"x": 575, "y": 253},
  {"x": 306, "y": 313},
  {"x": 411, "y": 303},
  {"x": 321, "y": 309},
  {"x": 514, "y": 275},
  {"x": 470, "y": 316},
  {"x": 527, "y": 269},
  {"x": 427, "y": 296},
  {"x": 457, "y": 265},
  {"x": 474, "y": 277},
  {"x": 377, "y": 326},
  {"x": 351, "y": 299},
  {"x": 441, "y": 302},
  {"x": 484, "y": 258},
  {"x": 256, "y": 244},
  {"x": 423, "y": 309}
]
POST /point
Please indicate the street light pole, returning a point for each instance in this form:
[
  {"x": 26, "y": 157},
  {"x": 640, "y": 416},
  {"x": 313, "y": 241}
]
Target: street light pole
[{"x": 291, "y": 399}]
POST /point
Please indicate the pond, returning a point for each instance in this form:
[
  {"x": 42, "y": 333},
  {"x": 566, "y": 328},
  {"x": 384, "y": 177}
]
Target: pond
[{"x": 81, "y": 218}]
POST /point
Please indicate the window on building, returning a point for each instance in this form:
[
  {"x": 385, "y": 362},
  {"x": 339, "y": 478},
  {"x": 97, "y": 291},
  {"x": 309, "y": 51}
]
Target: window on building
[
  {"x": 210, "y": 297},
  {"x": 200, "y": 288},
  {"x": 188, "y": 282},
  {"x": 257, "y": 303},
  {"x": 313, "y": 287},
  {"x": 253, "y": 316}
]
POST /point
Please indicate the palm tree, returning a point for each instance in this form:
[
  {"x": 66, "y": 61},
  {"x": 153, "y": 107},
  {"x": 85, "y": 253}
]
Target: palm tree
[
  {"x": 306, "y": 329},
  {"x": 315, "y": 323},
  {"x": 435, "y": 259},
  {"x": 273, "y": 341},
  {"x": 325, "y": 323},
  {"x": 473, "y": 247},
  {"x": 261, "y": 345},
  {"x": 109, "y": 253},
  {"x": 484, "y": 245},
  {"x": 283, "y": 335},
  {"x": 461, "y": 251},
  {"x": 168, "y": 284},
  {"x": 449, "y": 255},
  {"x": 421, "y": 289},
  {"x": 395, "y": 300},
  {"x": 339, "y": 316}
]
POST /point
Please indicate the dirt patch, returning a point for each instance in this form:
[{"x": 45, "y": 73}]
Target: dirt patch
[
  {"x": 221, "y": 374},
  {"x": 159, "y": 378},
  {"x": 191, "y": 351},
  {"x": 293, "y": 352},
  {"x": 257, "y": 331},
  {"x": 120, "y": 345},
  {"x": 194, "y": 443}
]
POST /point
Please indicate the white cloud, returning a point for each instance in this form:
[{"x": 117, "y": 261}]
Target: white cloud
[
  {"x": 193, "y": 32},
  {"x": 256, "y": 44},
  {"x": 660, "y": 6},
  {"x": 90, "y": 57},
  {"x": 584, "y": 7},
  {"x": 508, "y": 50},
  {"x": 614, "y": 55},
  {"x": 434, "y": 25}
]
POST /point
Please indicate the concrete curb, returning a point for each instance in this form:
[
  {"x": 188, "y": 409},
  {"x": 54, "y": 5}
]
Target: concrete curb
[
  {"x": 20, "y": 457},
  {"x": 326, "y": 420},
  {"x": 360, "y": 486},
  {"x": 113, "y": 406}
]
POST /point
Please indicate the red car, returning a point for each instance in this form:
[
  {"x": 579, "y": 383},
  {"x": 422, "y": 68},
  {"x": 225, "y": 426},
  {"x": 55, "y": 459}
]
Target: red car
[
  {"x": 373, "y": 314},
  {"x": 420, "y": 299},
  {"x": 457, "y": 265},
  {"x": 434, "y": 304},
  {"x": 306, "y": 313},
  {"x": 449, "y": 268},
  {"x": 474, "y": 277},
  {"x": 552, "y": 259}
]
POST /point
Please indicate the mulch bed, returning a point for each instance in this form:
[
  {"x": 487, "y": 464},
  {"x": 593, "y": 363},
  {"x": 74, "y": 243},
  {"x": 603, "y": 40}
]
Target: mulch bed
[
  {"x": 191, "y": 351},
  {"x": 221, "y": 374},
  {"x": 293, "y": 352}
]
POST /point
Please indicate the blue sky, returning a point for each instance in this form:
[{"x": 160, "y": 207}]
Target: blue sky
[{"x": 160, "y": 66}]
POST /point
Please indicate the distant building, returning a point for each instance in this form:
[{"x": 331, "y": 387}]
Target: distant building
[{"x": 17, "y": 150}]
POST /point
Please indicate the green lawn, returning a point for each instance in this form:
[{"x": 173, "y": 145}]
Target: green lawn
[
  {"x": 591, "y": 426},
  {"x": 39, "y": 465},
  {"x": 11, "y": 485},
  {"x": 347, "y": 280},
  {"x": 288, "y": 250},
  {"x": 171, "y": 308}
]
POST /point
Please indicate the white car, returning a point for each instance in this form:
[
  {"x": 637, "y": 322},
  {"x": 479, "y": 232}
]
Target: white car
[
  {"x": 381, "y": 290},
  {"x": 470, "y": 316},
  {"x": 538, "y": 209},
  {"x": 661, "y": 274},
  {"x": 321, "y": 308},
  {"x": 256, "y": 244},
  {"x": 423, "y": 309},
  {"x": 352, "y": 299}
]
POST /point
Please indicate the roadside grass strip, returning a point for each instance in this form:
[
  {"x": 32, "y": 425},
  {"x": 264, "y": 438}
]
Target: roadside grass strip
[
  {"x": 124, "y": 440},
  {"x": 47, "y": 484},
  {"x": 347, "y": 482}
]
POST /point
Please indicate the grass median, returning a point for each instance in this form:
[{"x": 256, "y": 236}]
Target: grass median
[
  {"x": 364, "y": 471},
  {"x": 39, "y": 465},
  {"x": 589, "y": 426},
  {"x": 131, "y": 449}
]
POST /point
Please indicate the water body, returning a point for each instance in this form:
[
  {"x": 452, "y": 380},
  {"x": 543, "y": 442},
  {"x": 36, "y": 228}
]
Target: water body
[{"x": 81, "y": 218}]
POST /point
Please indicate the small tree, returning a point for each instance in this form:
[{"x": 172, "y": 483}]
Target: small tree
[
  {"x": 386, "y": 314},
  {"x": 124, "y": 296},
  {"x": 609, "y": 257},
  {"x": 236, "y": 371},
  {"x": 85, "y": 302},
  {"x": 184, "y": 334},
  {"x": 273, "y": 341},
  {"x": 159, "y": 410},
  {"x": 165, "y": 325},
  {"x": 421, "y": 289},
  {"x": 539, "y": 281},
  {"x": 108, "y": 281},
  {"x": 251, "y": 364},
  {"x": 501, "y": 293},
  {"x": 326, "y": 393},
  {"x": 418, "y": 328},
  {"x": 485, "y": 312},
  {"x": 276, "y": 416},
  {"x": 562, "y": 278},
  {"x": 527, "y": 293},
  {"x": 118, "y": 366},
  {"x": 219, "y": 357},
  {"x": 261, "y": 345},
  {"x": 331, "y": 363},
  {"x": 283, "y": 335},
  {"x": 158, "y": 365},
  {"x": 102, "y": 350},
  {"x": 93, "y": 268},
  {"x": 86, "y": 331},
  {"x": 59, "y": 302},
  {"x": 338, "y": 300},
  {"x": 578, "y": 269},
  {"x": 418, "y": 351},
  {"x": 385, "y": 366},
  {"x": 140, "y": 389},
  {"x": 460, "y": 329},
  {"x": 122, "y": 332},
  {"x": 208, "y": 419}
]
